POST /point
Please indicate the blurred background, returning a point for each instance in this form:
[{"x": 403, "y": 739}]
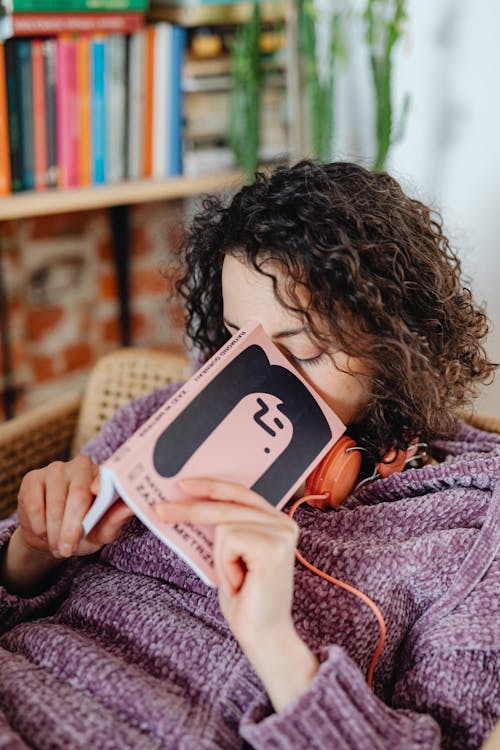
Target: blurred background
[{"x": 109, "y": 137}]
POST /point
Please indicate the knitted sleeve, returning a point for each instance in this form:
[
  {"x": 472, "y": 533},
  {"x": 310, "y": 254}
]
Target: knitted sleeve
[
  {"x": 338, "y": 710},
  {"x": 15, "y": 609},
  {"x": 446, "y": 691}
]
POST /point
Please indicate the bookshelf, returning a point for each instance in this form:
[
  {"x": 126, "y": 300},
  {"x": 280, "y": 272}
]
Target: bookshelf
[
  {"x": 30, "y": 203},
  {"x": 119, "y": 196},
  {"x": 219, "y": 14}
]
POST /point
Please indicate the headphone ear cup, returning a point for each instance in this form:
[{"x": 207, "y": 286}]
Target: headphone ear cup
[
  {"x": 336, "y": 474},
  {"x": 395, "y": 460}
]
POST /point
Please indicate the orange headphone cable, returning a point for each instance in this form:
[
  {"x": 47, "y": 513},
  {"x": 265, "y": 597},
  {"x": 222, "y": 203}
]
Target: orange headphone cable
[{"x": 366, "y": 599}]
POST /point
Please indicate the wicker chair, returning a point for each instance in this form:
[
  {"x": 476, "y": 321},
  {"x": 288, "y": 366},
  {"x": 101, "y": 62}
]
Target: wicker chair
[{"x": 59, "y": 428}]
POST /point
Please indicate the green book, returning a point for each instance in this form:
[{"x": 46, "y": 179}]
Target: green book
[{"x": 64, "y": 6}]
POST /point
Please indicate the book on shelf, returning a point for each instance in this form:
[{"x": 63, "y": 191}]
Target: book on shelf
[
  {"x": 49, "y": 92},
  {"x": 116, "y": 108},
  {"x": 52, "y": 24},
  {"x": 98, "y": 110},
  {"x": 5, "y": 179},
  {"x": 39, "y": 116},
  {"x": 84, "y": 111},
  {"x": 247, "y": 416},
  {"x": 9, "y": 7}
]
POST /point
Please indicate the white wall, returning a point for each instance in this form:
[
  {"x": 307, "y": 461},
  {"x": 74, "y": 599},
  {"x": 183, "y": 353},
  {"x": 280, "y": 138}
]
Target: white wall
[{"x": 449, "y": 61}]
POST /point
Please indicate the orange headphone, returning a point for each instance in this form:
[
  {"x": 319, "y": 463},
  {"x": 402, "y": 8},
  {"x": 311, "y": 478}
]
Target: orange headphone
[
  {"x": 329, "y": 484},
  {"x": 338, "y": 472}
]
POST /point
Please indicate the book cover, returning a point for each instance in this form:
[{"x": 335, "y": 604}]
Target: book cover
[
  {"x": 98, "y": 110},
  {"x": 39, "y": 118},
  {"x": 135, "y": 94},
  {"x": 25, "y": 81},
  {"x": 246, "y": 416},
  {"x": 83, "y": 104},
  {"x": 116, "y": 107},
  {"x": 52, "y": 24},
  {"x": 175, "y": 166},
  {"x": 4, "y": 130},
  {"x": 49, "y": 69}
]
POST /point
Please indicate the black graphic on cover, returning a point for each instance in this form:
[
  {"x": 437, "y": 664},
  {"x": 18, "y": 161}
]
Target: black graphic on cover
[{"x": 277, "y": 403}]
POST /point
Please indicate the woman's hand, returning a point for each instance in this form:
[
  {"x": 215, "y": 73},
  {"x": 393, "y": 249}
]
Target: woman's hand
[
  {"x": 254, "y": 563},
  {"x": 52, "y": 503}
]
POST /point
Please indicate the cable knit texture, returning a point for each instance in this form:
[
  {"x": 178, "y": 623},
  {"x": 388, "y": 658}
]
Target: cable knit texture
[{"x": 129, "y": 649}]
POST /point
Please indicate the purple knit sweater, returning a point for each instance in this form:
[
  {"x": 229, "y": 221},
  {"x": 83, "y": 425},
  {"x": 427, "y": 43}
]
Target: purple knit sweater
[{"x": 129, "y": 649}]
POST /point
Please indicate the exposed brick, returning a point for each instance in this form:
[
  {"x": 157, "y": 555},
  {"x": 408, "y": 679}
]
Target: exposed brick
[
  {"x": 41, "y": 320},
  {"x": 146, "y": 280},
  {"x": 44, "y": 368},
  {"x": 141, "y": 326},
  {"x": 141, "y": 242},
  {"x": 76, "y": 357},
  {"x": 110, "y": 330},
  {"x": 59, "y": 224},
  {"x": 107, "y": 286},
  {"x": 105, "y": 248}
]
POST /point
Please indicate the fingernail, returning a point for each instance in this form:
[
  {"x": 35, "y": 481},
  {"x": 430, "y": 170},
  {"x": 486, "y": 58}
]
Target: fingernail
[
  {"x": 66, "y": 550},
  {"x": 188, "y": 482}
]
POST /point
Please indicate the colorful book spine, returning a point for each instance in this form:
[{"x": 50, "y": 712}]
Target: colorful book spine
[
  {"x": 5, "y": 178},
  {"x": 67, "y": 113},
  {"x": 161, "y": 84},
  {"x": 176, "y": 99},
  {"x": 147, "y": 121},
  {"x": 116, "y": 107},
  {"x": 135, "y": 103},
  {"x": 39, "y": 116},
  {"x": 23, "y": 49},
  {"x": 83, "y": 101},
  {"x": 49, "y": 49},
  {"x": 52, "y": 24},
  {"x": 14, "y": 115},
  {"x": 98, "y": 109},
  {"x": 75, "y": 6}
]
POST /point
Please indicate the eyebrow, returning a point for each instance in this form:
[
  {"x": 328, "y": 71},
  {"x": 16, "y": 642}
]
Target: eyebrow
[{"x": 280, "y": 335}]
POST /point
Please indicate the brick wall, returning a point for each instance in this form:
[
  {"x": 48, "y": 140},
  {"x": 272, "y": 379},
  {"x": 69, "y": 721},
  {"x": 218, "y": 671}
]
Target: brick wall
[{"x": 62, "y": 295}]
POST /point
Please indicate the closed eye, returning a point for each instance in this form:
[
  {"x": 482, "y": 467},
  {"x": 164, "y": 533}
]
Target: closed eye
[{"x": 311, "y": 361}]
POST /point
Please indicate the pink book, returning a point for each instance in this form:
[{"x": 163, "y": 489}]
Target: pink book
[
  {"x": 67, "y": 112},
  {"x": 246, "y": 416}
]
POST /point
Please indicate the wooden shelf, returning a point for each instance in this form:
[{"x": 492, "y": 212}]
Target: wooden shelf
[
  {"x": 31, "y": 203},
  {"x": 220, "y": 14}
]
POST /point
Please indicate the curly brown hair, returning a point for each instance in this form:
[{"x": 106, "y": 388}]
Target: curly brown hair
[{"x": 381, "y": 275}]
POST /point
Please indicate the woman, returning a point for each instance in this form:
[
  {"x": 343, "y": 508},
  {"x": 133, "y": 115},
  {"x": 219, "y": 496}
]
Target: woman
[{"x": 122, "y": 646}]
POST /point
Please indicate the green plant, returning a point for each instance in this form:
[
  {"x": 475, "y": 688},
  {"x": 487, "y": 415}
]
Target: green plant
[
  {"x": 318, "y": 77},
  {"x": 383, "y": 27},
  {"x": 246, "y": 87}
]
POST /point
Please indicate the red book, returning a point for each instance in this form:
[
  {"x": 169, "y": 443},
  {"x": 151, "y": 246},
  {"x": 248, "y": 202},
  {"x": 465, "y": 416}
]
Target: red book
[
  {"x": 147, "y": 123},
  {"x": 39, "y": 115},
  {"x": 52, "y": 24},
  {"x": 67, "y": 112},
  {"x": 4, "y": 131}
]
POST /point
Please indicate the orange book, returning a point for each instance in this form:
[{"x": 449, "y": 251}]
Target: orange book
[
  {"x": 147, "y": 122},
  {"x": 39, "y": 115},
  {"x": 4, "y": 131},
  {"x": 83, "y": 99}
]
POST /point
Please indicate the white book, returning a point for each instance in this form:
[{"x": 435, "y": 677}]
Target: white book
[
  {"x": 135, "y": 106},
  {"x": 161, "y": 98},
  {"x": 116, "y": 102}
]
